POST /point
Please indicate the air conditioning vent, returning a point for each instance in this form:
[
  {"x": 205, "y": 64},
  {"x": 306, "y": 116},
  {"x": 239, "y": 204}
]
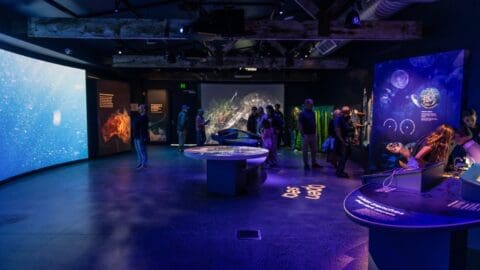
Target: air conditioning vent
[{"x": 325, "y": 46}]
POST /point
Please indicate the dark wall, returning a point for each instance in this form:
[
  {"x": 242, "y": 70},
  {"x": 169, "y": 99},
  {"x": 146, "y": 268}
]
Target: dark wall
[
  {"x": 337, "y": 88},
  {"x": 177, "y": 97}
]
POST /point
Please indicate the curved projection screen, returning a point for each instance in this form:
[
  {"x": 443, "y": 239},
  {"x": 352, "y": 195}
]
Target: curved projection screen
[{"x": 43, "y": 118}]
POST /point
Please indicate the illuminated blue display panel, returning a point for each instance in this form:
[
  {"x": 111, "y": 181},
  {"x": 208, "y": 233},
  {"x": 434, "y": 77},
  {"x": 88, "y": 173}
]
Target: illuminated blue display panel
[
  {"x": 43, "y": 118},
  {"x": 411, "y": 98}
]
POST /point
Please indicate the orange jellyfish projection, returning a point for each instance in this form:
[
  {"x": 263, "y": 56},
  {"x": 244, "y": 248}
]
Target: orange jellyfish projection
[{"x": 118, "y": 124}]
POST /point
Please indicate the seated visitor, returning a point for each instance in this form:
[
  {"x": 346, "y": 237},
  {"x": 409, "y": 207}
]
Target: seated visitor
[
  {"x": 463, "y": 138},
  {"x": 431, "y": 149},
  {"x": 469, "y": 122}
]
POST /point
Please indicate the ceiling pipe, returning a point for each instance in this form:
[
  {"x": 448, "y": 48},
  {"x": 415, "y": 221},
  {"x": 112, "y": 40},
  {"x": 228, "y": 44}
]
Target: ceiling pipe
[
  {"x": 379, "y": 10},
  {"x": 387, "y": 8}
]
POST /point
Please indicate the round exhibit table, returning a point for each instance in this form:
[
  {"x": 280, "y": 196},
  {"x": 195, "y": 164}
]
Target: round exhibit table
[
  {"x": 227, "y": 165},
  {"x": 413, "y": 230}
]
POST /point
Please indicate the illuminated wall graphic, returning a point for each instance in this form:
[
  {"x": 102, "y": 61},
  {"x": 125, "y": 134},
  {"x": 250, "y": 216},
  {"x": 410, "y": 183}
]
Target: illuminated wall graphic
[
  {"x": 113, "y": 100},
  {"x": 228, "y": 105},
  {"x": 157, "y": 103},
  {"x": 117, "y": 125},
  {"x": 411, "y": 98},
  {"x": 43, "y": 114}
]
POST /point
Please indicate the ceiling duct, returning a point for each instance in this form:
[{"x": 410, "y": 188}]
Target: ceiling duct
[{"x": 381, "y": 9}]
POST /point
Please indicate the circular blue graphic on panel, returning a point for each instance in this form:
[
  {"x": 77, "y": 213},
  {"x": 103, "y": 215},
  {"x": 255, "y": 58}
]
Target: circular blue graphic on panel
[
  {"x": 429, "y": 97},
  {"x": 400, "y": 79}
]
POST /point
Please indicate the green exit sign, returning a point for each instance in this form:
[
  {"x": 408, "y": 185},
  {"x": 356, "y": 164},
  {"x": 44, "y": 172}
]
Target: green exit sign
[{"x": 183, "y": 86}]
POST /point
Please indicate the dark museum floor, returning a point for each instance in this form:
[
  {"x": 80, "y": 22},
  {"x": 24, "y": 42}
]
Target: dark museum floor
[{"x": 102, "y": 214}]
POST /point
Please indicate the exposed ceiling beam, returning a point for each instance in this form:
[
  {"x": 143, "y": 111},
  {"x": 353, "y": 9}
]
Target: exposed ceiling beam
[
  {"x": 168, "y": 2},
  {"x": 337, "y": 7},
  {"x": 61, "y": 8},
  {"x": 255, "y": 30},
  {"x": 228, "y": 46},
  {"x": 230, "y": 75},
  {"x": 279, "y": 47},
  {"x": 156, "y": 61},
  {"x": 332, "y": 12},
  {"x": 309, "y": 7},
  {"x": 131, "y": 8}
]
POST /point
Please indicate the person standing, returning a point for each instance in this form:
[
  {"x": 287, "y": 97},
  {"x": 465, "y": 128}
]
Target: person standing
[
  {"x": 252, "y": 121},
  {"x": 281, "y": 134},
  {"x": 276, "y": 124},
  {"x": 182, "y": 126},
  {"x": 469, "y": 127},
  {"x": 308, "y": 130},
  {"x": 200, "y": 128},
  {"x": 267, "y": 141},
  {"x": 332, "y": 152},
  {"x": 344, "y": 133},
  {"x": 141, "y": 136},
  {"x": 260, "y": 117}
]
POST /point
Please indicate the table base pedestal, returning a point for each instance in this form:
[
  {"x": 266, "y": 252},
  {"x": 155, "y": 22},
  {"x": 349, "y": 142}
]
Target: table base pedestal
[
  {"x": 439, "y": 250},
  {"x": 226, "y": 176}
]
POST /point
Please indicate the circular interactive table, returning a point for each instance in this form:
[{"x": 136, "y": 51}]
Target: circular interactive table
[
  {"x": 227, "y": 165},
  {"x": 413, "y": 230}
]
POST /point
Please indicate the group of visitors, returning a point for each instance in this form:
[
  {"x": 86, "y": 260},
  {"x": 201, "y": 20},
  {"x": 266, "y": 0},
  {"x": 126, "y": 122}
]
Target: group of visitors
[
  {"x": 182, "y": 127},
  {"x": 270, "y": 126},
  {"x": 341, "y": 133}
]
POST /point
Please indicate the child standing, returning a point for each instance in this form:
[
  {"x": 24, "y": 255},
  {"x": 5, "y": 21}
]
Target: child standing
[{"x": 267, "y": 140}]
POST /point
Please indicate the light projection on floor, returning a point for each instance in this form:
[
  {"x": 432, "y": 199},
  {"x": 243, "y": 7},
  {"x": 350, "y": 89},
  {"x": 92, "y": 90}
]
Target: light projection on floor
[
  {"x": 313, "y": 191},
  {"x": 43, "y": 114}
]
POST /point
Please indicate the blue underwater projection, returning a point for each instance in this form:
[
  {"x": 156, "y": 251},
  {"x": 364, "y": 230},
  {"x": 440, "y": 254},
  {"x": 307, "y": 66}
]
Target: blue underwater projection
[
  {"x": 412, "y": 97},
  {"x": 43, "y": 114}
]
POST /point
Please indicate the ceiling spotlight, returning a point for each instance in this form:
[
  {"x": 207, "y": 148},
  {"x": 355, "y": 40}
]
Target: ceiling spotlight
[
  {"x": 280, "y": 12},
  {"x": 181, "y": 30},
  {"x": 353, "y": 19},
  {"x": 119, "y": 51},
  {"x": 306, "y": 56},
  {"x": 117, "y": 6}
]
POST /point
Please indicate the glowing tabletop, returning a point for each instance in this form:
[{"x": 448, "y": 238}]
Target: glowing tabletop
[{"x": 415, "y": 230}]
